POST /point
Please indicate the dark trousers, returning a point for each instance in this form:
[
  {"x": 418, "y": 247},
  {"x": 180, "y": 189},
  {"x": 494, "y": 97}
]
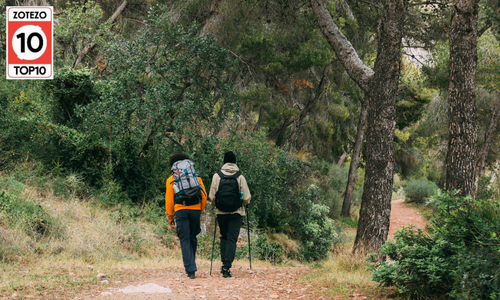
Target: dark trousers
[
  {"x": 229, "y": 230},
  {"x": 187, "y": 223}
]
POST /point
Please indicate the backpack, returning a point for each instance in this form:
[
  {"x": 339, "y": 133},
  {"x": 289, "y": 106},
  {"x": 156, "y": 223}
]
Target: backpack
[
  {"x": 186, "y": 185},
  {"x": 228, "y": 197}
]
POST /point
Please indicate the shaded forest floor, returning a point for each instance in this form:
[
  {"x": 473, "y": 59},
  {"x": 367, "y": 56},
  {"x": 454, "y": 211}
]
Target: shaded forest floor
[{"x": 341, "y": 277}]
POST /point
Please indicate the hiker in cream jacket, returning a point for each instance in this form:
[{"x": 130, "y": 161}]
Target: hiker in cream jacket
[{"x": 229, "y": 222}]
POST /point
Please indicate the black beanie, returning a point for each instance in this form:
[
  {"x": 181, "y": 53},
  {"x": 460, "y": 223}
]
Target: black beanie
[{"x": 229, "y": 157}]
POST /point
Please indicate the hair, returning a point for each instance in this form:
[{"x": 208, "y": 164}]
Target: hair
[{"x": 176, "y": 157}]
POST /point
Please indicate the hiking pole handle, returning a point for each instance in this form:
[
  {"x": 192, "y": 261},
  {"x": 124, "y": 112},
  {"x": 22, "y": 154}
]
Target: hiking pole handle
[
  {"x": 248, "y": 233},
  {"x": 213, "y": 245}
]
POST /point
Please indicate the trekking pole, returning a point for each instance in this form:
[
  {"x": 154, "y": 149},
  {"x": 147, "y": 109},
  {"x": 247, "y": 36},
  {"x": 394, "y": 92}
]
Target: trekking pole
[
  {"x": 213, "y": 246},
  {"x": 248, "y": 232}
]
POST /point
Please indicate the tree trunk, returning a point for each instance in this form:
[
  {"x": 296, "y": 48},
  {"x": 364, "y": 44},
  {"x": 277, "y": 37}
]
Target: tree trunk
[
  {"x": 381, "y": 85},
  {"x": 351, "y": 180},
  {"x": 462, "y": 127},
  {"x": 280, "y": 140},
  {"x": 483, "y": 153},
  {"x": 375, "y": 212}
]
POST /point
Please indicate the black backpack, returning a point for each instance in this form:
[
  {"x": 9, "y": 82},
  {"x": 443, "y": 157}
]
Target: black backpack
[{"x": 228, "y": 197}]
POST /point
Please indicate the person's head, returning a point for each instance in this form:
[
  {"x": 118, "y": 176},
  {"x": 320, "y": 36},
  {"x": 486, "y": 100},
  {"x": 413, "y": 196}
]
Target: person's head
[
  {"x": 229, "y": 157},
  {"x": 176, "y": 157}
]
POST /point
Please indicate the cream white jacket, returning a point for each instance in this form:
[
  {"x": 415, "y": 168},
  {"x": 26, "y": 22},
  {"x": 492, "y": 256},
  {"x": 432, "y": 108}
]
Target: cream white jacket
[{"x": 230, "y": 169}]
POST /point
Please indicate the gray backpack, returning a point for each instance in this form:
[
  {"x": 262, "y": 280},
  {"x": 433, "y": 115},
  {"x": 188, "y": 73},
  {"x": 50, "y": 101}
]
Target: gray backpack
[{"x": 186, "y": 185}]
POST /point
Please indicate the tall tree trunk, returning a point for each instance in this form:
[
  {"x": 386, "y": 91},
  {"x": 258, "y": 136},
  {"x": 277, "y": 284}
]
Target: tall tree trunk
[
  {"x": 381, "y": 85},
  {"x": 462, "y": 127},
  {"x": 351, "y": 180},
  {"x": 375, "y": 211},
  {"x": 483, "y": 153}
]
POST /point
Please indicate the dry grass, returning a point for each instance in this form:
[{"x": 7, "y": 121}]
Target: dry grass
[
  {"x": 87, "y": 235},
  {"x": 290, "y": 245},
  {"x": 345, "y": 275}
]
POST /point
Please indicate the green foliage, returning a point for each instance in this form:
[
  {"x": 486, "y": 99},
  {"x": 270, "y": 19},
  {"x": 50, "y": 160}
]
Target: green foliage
[
  {"x": 416, "y": 264},
  {"x": 413, "y": 99},
  {"x": 437, "y": 72},
  {"x": 273, "y": 175},
  {"x": 458, "y": 258},
  {"x": 337, "y": 182},
  {"x": 205, "y": 243},
  {"x": 352, "y": 223},
  {"x": 484, "y": 189},
  {"x": 270, "y": 251},
  {"x": 29, "y": 216},
  {"x": 418, "y": 190},
  {"x": 78, "y": 27},
  {"x": 69, "y": 89},
  {"x": 316, "y": 232}
]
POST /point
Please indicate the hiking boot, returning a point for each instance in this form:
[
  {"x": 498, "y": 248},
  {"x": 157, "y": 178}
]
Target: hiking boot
[
  {"x": 226, "y": 273},
  {"x": 191, "y": 275}
]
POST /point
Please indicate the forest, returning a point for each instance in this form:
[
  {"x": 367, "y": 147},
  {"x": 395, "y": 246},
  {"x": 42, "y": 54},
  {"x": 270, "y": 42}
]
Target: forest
[{"x": 334, "y": 108}]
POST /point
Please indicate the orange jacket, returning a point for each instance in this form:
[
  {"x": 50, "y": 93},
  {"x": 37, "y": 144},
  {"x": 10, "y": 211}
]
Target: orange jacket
[{"x": 170, "y": 205}]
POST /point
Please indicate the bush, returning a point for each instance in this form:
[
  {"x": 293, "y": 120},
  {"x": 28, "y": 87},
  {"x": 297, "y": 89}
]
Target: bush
[
  {"x": 30, "y": 217},
  {"x": 270, "y": 251},
  {"x": 459, "y": 258},
  {"x": 418, "y": 190},
  {"x": 316, "y": 232}
]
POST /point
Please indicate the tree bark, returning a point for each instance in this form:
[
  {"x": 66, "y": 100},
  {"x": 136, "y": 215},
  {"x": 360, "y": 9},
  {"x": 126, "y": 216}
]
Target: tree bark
[
  {"x": 351, "y": 180},
  {"x": 343, "y": 49},
  {"x": 381, "y": 86},
  {"x": 483, "y": 153},
  {"x": 462, "y": 127}
]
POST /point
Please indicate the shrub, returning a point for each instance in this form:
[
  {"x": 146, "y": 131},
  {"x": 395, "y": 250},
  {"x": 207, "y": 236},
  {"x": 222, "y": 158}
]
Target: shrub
[
  {"x": 458, "y": 258},
  {"x": 316, "y": 232},
  {"x": 418, "y": 190},
  {"x": 29, "y": 216},
  {"x": 270, "y": 251}
]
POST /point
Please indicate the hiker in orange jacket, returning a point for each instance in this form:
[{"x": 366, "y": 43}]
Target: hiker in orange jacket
[{"x": 185, "y": 218}]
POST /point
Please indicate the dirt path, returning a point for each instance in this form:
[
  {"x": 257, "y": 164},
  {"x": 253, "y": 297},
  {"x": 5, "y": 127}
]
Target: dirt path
[
  {"x": 258, "y": 283},
  {"x": 403, "y": 215}
]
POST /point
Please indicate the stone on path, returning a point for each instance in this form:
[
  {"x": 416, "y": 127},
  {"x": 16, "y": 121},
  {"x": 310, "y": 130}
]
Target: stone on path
[{"x": 147, "y": 288}]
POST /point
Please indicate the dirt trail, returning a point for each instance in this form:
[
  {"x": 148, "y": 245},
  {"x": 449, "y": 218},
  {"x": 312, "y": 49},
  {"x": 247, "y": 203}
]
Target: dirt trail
[
  {"x": 258, "y": 283},
  {"x": 403, "y": 215}
]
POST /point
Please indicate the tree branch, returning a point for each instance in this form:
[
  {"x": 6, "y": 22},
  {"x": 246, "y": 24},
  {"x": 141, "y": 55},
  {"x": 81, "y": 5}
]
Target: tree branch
[
  {"x": 344, "y": 50},
  {"x": 89, "y": 46},
  {"x": 169, "y": 136},
  {"x": 483, "y": 30}
]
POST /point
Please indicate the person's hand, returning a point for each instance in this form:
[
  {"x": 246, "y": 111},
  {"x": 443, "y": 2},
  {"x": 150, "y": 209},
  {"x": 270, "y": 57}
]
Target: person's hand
[{"x": 172, "y": 224}]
